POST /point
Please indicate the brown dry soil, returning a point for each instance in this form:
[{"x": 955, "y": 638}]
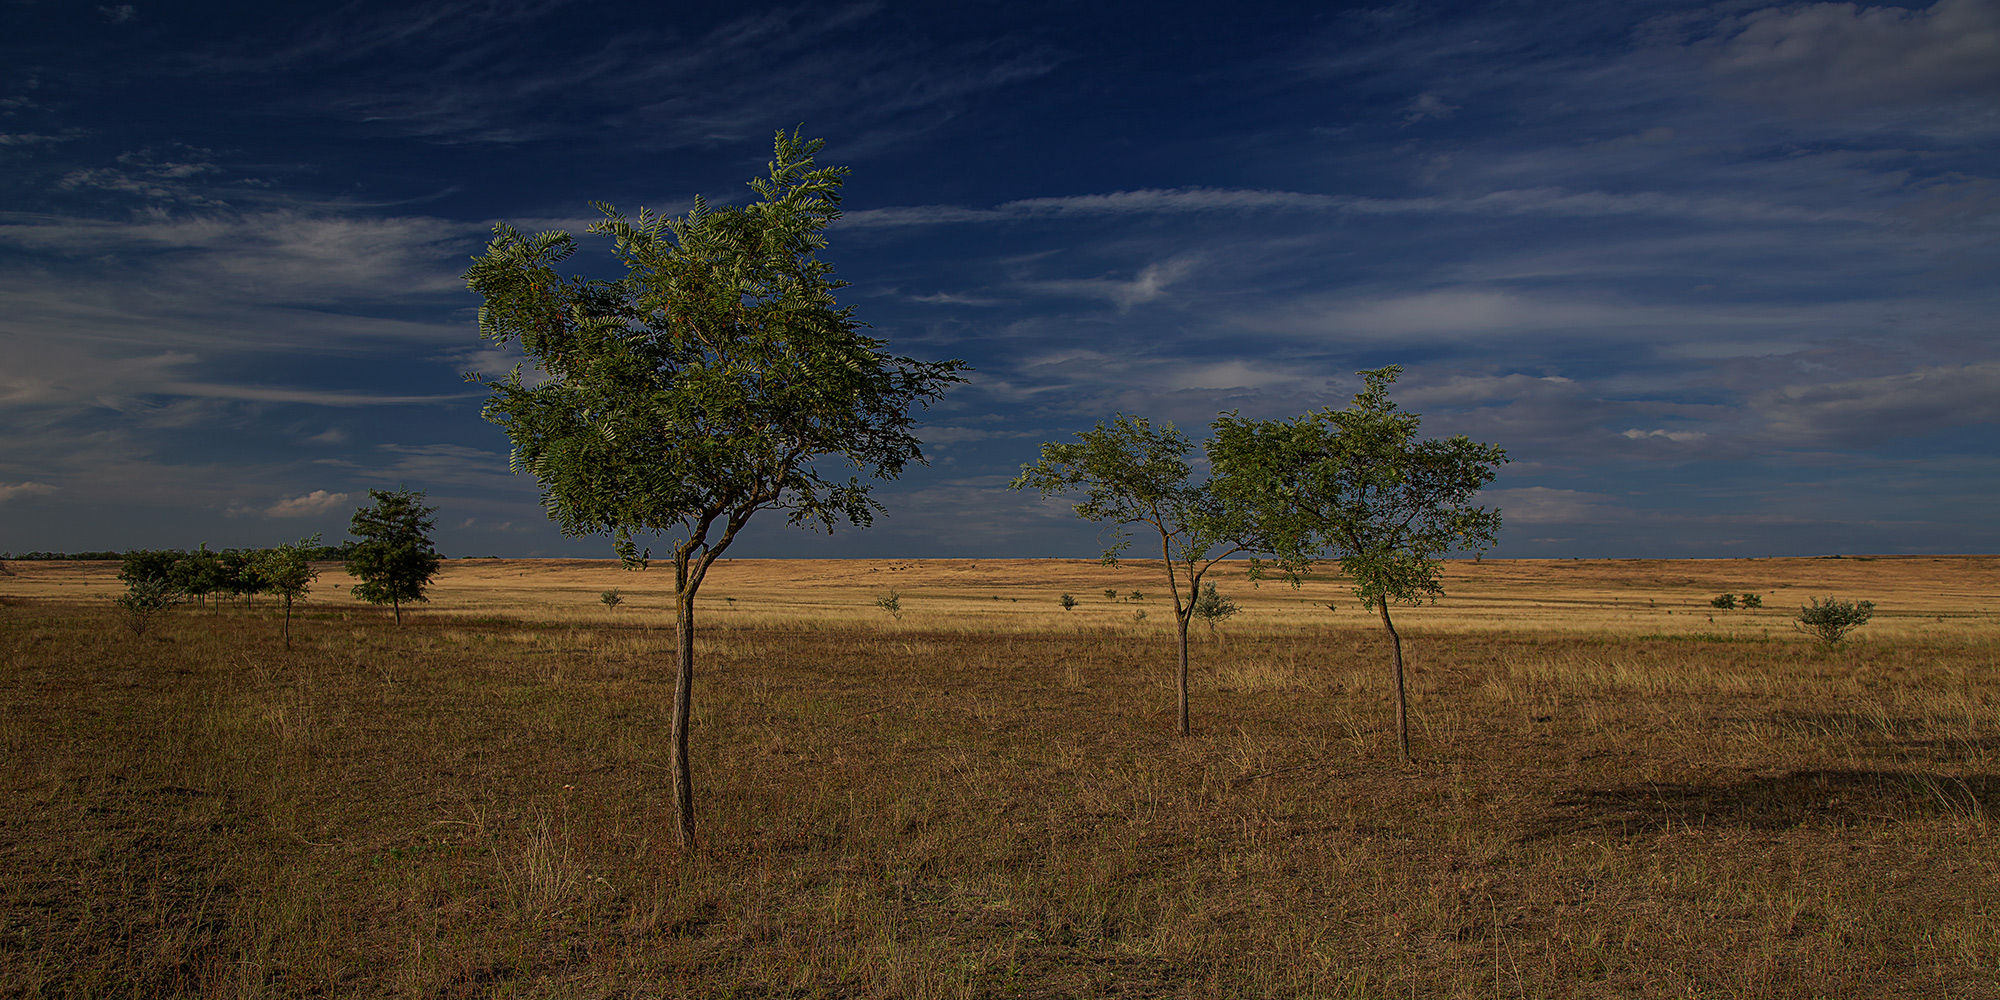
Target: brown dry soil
[{"x": 1617, "y": 791}]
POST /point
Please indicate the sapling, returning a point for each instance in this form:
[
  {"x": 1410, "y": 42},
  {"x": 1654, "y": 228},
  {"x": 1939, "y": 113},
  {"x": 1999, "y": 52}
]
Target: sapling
[
  {"x": 145, "y": 599},
  {"x": 1212, "y": 607},
  {"x": 892, "y": 603}
]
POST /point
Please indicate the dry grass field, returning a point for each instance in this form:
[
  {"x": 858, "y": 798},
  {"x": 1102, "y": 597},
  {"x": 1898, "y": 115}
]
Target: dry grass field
[{"x": 1618, "y": 791}]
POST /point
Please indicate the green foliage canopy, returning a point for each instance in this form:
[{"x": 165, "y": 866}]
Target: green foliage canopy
[
  {"x": 1359, "y": 483},
  {"x": 393, "y": 562},
  {"x": 706, "y": 384}
]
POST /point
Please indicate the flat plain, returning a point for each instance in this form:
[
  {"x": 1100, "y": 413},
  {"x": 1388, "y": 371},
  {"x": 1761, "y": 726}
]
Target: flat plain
[{"x": 1617, "y": 790}]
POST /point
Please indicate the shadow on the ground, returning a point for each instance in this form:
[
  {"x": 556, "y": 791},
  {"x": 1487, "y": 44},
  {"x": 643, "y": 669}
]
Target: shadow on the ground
[{"x": 1770, "y": 803}]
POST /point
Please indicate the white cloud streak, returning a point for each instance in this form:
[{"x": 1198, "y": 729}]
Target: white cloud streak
[
  {"x": 1876, "y": 408},
  {"x": 1541, "y": 201},
  {"x": 9, "y": 491},
  {"x": 312, "y": 504},
  {"x": 1839, "y": 53}
]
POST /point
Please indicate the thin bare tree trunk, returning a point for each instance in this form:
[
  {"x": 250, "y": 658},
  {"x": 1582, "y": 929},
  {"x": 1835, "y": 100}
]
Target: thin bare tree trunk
[
  {"x": 683, "y": 698},
  {"x": 1184, "y": 674},
  {"x": 1402, "y": 706}
]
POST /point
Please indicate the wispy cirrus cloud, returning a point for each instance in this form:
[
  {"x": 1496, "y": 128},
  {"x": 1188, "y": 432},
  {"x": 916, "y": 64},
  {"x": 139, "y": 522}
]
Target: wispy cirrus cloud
[
  {"x": 1837, "y": 54},
  {"x": 1862, "y": 411},
  {"x": 455, "y": 73},
  {"x": 1150, "y": 284},
  {"x": 1546, "y": 505},
  {"x": 310, "y": 397},
  {"x": 1548, "y": 201},
  {"x": 291, "y": 255}
]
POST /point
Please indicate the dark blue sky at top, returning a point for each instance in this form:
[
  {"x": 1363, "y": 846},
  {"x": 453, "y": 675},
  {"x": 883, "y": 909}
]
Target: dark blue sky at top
[{"x": 1719, "y": 277}]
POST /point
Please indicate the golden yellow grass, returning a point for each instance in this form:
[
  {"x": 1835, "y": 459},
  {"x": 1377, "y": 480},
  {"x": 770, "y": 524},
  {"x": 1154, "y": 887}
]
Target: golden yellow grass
[
  {"x": 985, "y": 798},
  {"x": 1915, "y": 595}
]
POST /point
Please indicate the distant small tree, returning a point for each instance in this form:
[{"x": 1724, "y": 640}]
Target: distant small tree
[
  {"x": 1110, "y": 593},
  {"x": 1752, "y": 601},
  {"x": 393, "y": 562},
  {"x": 1132, "y": 472},
  {"x": 611, "y": 599},
  {"x": 1358, "y": 483},
  {"x": 1723, "y": 602},
  {"x": 287, "y": 572},
  {"x": 1068, "y": 602},
  {"x": 1213, "y": 608},
  {"x": 1830, "y": 622}
]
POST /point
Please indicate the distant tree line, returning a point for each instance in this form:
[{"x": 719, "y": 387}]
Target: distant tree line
[
  {"x": 392, "y": 563},
  {"x": 61, "y": 556},
  {"x": 318, "y": 553}
]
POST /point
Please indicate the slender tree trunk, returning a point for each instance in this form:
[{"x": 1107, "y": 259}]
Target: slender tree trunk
[
  {"x": 1183, "y": 678},
  {"x": 398, "y": 605},
  {"x": 1402, "y": 706},
  {"x": 288, "y": 623},
  {"x": 683, "y": 698}
]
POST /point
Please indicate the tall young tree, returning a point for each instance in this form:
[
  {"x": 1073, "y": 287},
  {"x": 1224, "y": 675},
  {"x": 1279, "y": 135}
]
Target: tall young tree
[
  {"x": 1359, "y": 483},
  {"x": 1134, "y": 473},
  {"x": 394, "y": 560},
  {"x": 717, "y": 379},
  {"x": 287, "y": 572}
]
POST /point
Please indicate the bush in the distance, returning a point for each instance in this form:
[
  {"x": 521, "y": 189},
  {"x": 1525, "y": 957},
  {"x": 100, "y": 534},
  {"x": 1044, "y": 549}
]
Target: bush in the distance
[{"x": 1829, "y": 622}]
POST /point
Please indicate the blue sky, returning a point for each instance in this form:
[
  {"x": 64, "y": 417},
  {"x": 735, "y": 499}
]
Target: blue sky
[{"x": 1720, "y": 278}]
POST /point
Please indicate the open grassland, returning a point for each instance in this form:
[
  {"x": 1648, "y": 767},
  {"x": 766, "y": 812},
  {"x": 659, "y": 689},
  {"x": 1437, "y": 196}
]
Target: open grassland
[
  {"x": 1916, "y": 595},
  {"x": 985, "y": 798}
]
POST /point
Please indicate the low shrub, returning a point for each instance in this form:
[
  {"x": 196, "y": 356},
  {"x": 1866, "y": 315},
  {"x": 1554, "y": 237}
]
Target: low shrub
[{"x": 1830, "y": 621}]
